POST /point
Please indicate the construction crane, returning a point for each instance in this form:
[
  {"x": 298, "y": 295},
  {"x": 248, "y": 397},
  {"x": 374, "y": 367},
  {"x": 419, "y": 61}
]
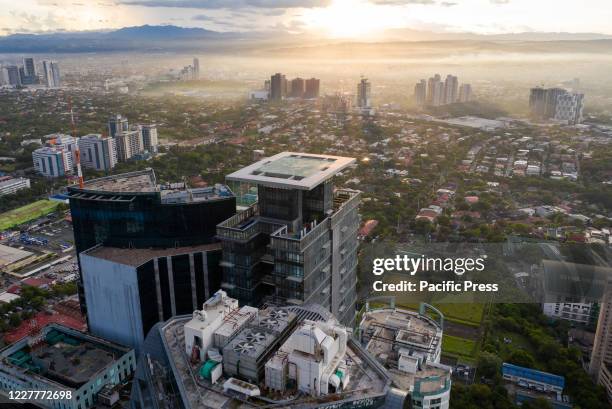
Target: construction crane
[{"x": 77, "y": 151}]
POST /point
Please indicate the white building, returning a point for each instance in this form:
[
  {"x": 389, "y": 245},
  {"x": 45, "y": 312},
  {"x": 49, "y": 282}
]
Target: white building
[
  {"x": 13, "y": 185},
  {"x": 569, "y": 108},
  {"x": 580, "y": 313},
  {"x": 52, "y": 161},
  {"x": 532, "y": 170},
  {"x": 51, "y": 74},
  {"x": 149, "y": 137},
  {"x": 97, "y": 152},
  {"x": 313, "y": 357},
  {"x": 129, "y": 143},
  {"x": 209, "y": 326}
]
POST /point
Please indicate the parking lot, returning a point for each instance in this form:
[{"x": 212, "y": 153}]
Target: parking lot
[{"x": 52, "y": 239}]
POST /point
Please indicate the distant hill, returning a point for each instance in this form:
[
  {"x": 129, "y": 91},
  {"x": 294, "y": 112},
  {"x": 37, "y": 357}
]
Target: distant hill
[
  {"x": 394, "y": 42},
  {"x": 148, "y": 32}
]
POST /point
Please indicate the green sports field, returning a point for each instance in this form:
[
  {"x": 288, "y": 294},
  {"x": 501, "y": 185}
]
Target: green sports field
[{"x": 26, "y": 213}]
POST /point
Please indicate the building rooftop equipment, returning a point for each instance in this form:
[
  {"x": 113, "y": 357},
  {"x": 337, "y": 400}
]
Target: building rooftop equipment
[
  {"x": 351, "y": 375},
  {"x": 292, "y": 170},
  {"x": 61, "y": 357},
  {"x": 409, "y": 345}
]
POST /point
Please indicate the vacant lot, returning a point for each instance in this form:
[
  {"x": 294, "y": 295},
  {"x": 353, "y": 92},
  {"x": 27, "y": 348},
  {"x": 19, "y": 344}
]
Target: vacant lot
[{"x": 464, "y": 350}]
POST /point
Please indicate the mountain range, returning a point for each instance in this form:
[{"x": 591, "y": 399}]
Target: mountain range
[{"x": 168, "y": 37}]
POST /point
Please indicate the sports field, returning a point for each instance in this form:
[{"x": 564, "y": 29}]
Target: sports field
[{"x": 26, "y": 213}]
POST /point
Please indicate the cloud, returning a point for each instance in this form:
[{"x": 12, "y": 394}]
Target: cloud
[
  {"x": 202, "y": 17},
  {"x": 213, "y": 20},
  {"x": 401, "y": 2},
  {"x": 228, "y": 4}
]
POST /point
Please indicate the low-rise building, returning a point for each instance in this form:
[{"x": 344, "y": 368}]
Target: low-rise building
[
  {"x": 73, "y": 366},
  {"x": 9, "y": 186},
  {"x": 408, "y": 345},
  {"x": 527, "y": 385}
]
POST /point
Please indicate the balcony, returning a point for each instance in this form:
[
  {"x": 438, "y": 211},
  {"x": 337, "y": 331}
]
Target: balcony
[{"x": 245, "y": 225}]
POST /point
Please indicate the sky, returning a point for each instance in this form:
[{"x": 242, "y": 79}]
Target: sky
[{"x": 330, "y": 18}]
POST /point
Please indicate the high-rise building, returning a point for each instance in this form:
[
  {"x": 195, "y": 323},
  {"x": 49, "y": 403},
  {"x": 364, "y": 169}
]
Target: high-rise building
[
  {"x": 116, "y": 124},
  {"x": 51, "y": 73},
  {"x": 285, "y": 87},
  {"x": 364, "y": 93},
  {"x": 312, "y": 88},
  {"x": 451, "y": 85},
  {"x": 129, "y": 144},
  {"x": 552, "y": 97},
  {"x": 432, "y": 86},
  {"x": 277, "y": 83},
  {"x": 196, "y": 68},
  {"x": 28, "y": 71},
  {"x": 30, "y": 67},
  {"x": 420, "y": 93},
  {"x": 56, "y": 159},
  {"x": 556, "y": 103},
  {"x": 569, "y": 108},
  {"x": 52, "y": 161},
  {"x": 465, "y": 93},
  {"x": 297, "y": 88},
  {"x": 149, "y": 137},
  {"x": 600, "y": 366},
  {"x": 97, "y": 152},
  {"x": 11, "y": 75},
  {"x": 298, "y": 243},
  {"x": 146, "y": 251},
  {"x": 23, "y": 78},
  {"x": 438, "y": 94},
  {"x": 537, "y": 102}
]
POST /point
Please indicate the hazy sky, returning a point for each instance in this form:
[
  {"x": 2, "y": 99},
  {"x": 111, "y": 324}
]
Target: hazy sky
[{"x": 334, "y": 18}]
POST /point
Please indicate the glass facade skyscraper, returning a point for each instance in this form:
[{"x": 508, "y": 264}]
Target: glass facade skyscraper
[
  {"x": 298, "y": 243},
  {"x": 133, "y": 211}
]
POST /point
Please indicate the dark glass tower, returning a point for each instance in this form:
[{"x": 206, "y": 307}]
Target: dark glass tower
[{"x": 131, "y": 211}]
